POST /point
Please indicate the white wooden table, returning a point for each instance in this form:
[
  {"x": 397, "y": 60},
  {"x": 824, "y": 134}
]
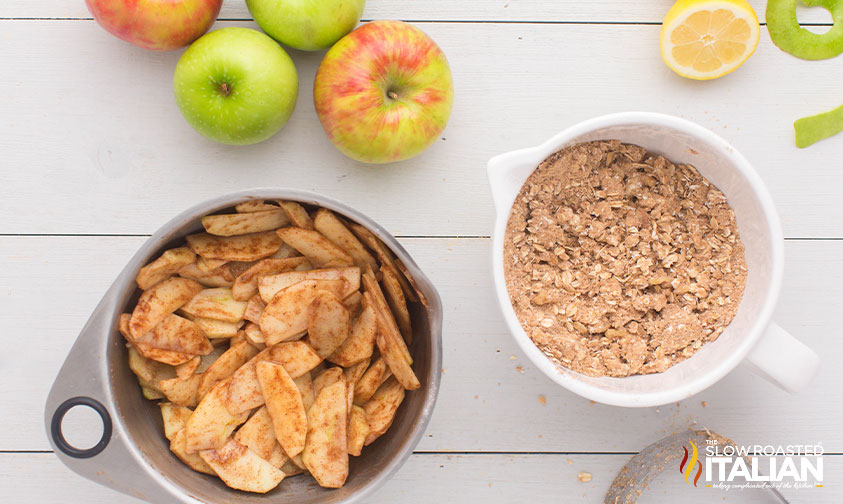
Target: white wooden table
[{"x": 95, "y": 156}]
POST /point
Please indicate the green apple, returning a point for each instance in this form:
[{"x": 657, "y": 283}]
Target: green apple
[
  {"x": 236, "y": 86},
  {"x": 309, "y": 25}
]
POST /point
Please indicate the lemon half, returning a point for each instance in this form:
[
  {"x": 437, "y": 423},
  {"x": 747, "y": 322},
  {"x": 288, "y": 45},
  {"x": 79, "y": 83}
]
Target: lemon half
[{"x": 706, "y": 39}]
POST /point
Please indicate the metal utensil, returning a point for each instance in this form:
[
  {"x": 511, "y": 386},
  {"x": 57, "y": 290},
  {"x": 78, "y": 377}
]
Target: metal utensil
[
  {"x": 637, "y": 474},
  {"x": 133, "y": 456}
]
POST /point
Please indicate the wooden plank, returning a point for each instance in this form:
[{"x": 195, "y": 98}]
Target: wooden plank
[
  {"x": 484, "y": 478},
  {"x": 51, "y": 284},
  {"x": 442, "y": 10},
  {"x": 94, "y": 143}
]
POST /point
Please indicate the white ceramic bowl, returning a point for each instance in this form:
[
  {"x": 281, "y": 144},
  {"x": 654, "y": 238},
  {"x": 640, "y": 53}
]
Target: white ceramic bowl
[{"x": 751, "y": 336}]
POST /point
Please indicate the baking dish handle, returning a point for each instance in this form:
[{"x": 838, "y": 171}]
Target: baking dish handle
[{"x": 783, "y": 359}]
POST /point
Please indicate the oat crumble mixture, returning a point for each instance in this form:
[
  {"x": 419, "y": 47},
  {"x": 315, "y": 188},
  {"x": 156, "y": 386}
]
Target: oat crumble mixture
[{"x": 620, "y": 262}]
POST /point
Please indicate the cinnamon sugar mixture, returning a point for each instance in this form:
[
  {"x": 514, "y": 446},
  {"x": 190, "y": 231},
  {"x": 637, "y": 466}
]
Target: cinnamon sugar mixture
[{"x": 620, "y": 262}]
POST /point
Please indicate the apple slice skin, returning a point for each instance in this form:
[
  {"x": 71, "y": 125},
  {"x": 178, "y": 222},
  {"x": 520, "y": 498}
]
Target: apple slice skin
[
  {"x": 325, "y": 453},
  {"x": 242, "y": 469},
  {"x": 810, "y": 130},
  {"x": 285, "y": 406},
  {"x": 789, "y": 36}
]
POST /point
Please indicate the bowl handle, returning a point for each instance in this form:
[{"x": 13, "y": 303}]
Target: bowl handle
[
  {"x": 503, "y": 171},
  {"x": 783, "y": 359},
  {"x": 83, "y": 382}
]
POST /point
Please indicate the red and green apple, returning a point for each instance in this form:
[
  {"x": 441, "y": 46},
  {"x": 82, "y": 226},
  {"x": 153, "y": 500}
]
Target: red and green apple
[
  {"x": 306, "y": 24},
  {"x": 384, "y": 92},
  {"x": 160, "y": 25},
  {"x": 236, "y": 86}
]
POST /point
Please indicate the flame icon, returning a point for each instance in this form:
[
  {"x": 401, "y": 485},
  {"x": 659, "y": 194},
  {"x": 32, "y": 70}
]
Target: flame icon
[{"x": 687, "y": 466}]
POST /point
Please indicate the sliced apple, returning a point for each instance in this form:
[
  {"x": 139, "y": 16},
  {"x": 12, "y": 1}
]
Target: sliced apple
[
  {"x": 358, "y": 430},
  {"x": 244, "y": 393},
  {"x": 328, "y": 323},
  {"x": 384, "y": 255},
  {"x": 258, "y": 434},
  {"x": 325, "y": 453},
  {"x": 361, "y": 341},
  {"x": 373, "y": 378},
  {"x": 246, "y": 284},
  {"x": 174, "y": 417},
  {"x": 277, "y": 457},
  {"x": 319, "y": 250},
  {"x": 405, "y": 273},
  {"x": 220, "y": 277},
  {"x": 178, "y": 335},
  {"x": 290, "y": 468},
  {"x": 216, "y": 329},
  {"x": 187, "y": 369},
  {"x": 286, "y": 315},
  {"x": 397, "y": 302},
  {"x": 254, "y": 335},
  {"x": 211, "y": 424},
  {"x": 327, "y": 378},
  {"x": 305, "y": 385},
  {"x": 241, "y": 469},
  {"x": 216, "y": 304},
  {"x": 254, "y": 309},
  {"x": 245, "y": 223},
  {"x": 226, "y": 365},
  {"x": 354, "y": 373},
  {"x": 182, "y": 391},
  {"x": 297, "y": 214},
  {"x": 170, "y": 262},
  {"x": 254, "y": 206},
  {"x": 335, "y": 231},
  {"x": 178, "y": 445},
  {"x": 148, "y": 371},
  {"x": 380, "y": 409},
  {"x": 206, "y": 265},
  {"x": 247, "y": 247},
  {"x": 270, "y": 285},
  {"x": 354, "y": 303},
  {"x": 156, "y": 303},
  {"x": 397, "y": 363},
  {"x": 285, "y": 406},
  {"x": 386, "y": 321}
]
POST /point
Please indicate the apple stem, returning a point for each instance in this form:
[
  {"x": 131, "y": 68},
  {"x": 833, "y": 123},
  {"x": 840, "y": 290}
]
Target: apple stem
[
  {"x": 392, "y": 94},
  {"x": 225, "y": 89}
]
